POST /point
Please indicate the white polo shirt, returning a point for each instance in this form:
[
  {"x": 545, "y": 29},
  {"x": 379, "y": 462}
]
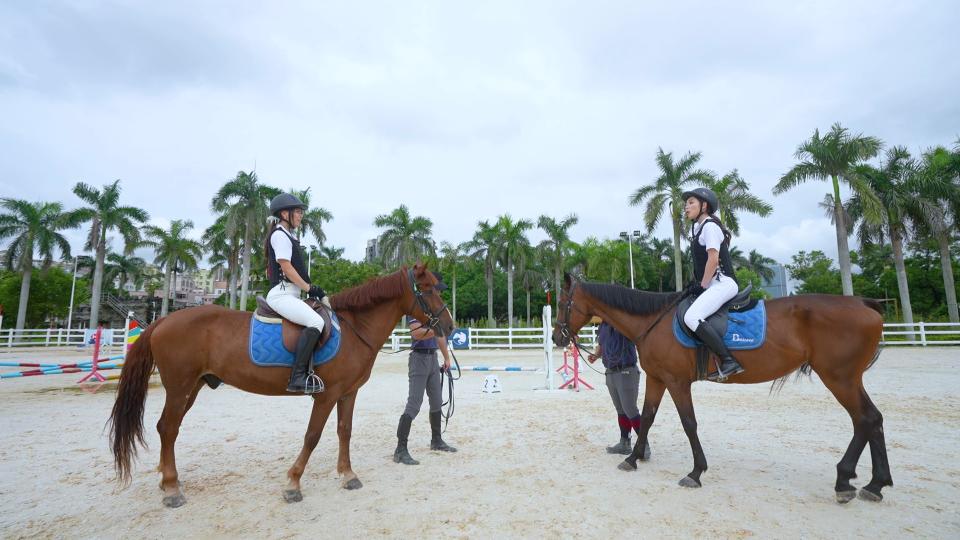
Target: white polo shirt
[{"x": 281, "y": 244}]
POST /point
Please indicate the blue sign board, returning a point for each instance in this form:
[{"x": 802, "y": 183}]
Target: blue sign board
[{"x": 460, "y": 338}]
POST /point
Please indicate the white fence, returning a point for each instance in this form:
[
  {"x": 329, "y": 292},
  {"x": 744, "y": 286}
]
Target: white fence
[{"x": 922, "y": 334}]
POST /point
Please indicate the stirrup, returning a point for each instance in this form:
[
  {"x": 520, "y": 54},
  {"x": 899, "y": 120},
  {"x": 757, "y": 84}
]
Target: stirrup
[{"x": 313, "y": 384}]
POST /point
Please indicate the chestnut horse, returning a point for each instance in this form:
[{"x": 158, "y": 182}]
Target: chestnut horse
[
  {"x": 836, "y": 336},
  {"x": 189, "y": 345}
]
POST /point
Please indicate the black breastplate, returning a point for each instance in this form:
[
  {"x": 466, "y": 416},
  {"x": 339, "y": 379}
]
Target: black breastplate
[
  {"x": 700, "y": 254},
  {"x": 275, "y": 273}
]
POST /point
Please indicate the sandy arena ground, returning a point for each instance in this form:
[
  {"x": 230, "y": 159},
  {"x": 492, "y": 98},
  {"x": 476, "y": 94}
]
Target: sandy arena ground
[{"x": 531, "y": 463}]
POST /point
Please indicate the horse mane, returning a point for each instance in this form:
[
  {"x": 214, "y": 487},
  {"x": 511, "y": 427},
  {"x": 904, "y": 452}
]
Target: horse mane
[
  {"x": 372, "y": 292},
  {"x": 629, "y": 300}
]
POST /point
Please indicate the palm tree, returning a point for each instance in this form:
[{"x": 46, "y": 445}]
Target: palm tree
[
  {"x": 313, "y": 218},
  {"x": 666, "y": 193},
  {"x": 174, "y": 252},
  {"x": 734, "y": 195},
  {"x": 105, "y": 214},
  {"x": 331, "y": 253},
  {"x": 760, "y": 265},
  {"x": 556, "y": 247},
  {"x": 895, "y": 182},
  {"x": 533, "y": 274},
  {"x": 512, "y": 241},
  {"x": 222, "y": 239},
  {"x": 941, "y": 188},
  {"x": 126, "y": 268},
  {"x": 33, "y": 227},
  {"x": 835, "y": 157},
  {"x": 737, "y": 258},
  {"x": 485, "y": 244},
  {"x": 247, "y": 200},
  {"x": 406, "y": 238},
  {"x": 451, "y": 256}
]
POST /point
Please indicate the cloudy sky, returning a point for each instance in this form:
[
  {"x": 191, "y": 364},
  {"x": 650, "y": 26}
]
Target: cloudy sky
[{"x": 462, "y": 111}]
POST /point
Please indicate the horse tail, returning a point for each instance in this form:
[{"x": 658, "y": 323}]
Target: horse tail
[
  {"x": 126, "y": 419},
  {"x": 777, "y": 385}
]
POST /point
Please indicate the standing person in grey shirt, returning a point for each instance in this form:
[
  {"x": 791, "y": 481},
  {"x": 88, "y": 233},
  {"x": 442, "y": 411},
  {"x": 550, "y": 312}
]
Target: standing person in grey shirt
[
  {"x": 623, "y": 381},
  {"x": 424, "y": 374}
]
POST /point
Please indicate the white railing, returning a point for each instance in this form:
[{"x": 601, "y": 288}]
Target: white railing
[{"x": 921, "y": 333}]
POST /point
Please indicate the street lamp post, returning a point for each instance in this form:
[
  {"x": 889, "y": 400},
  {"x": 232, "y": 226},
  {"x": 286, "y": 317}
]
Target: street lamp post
[
  {"x": 73, "y": 287},
  {"x": 626, "y": 236},
  {"x": 309, "y": 259}
]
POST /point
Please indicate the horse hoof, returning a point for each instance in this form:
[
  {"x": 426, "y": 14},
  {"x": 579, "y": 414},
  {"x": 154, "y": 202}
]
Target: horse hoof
[
  {"x": 292, "y": 495},
  {"x": 354, "y": 483},
  {"x": 844, "y": 497},
  {"x": 626, "y": 466},
  {"x": 688, "y": 482},
  {"x": 867, "y": 495},
  {"x": 174, "y": 501}
]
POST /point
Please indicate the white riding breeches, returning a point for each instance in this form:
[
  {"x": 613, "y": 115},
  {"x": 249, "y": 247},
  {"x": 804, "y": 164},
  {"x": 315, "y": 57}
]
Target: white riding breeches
[
  {"x": 720, "y": 291},
  {"x": 284, "y": 298}
]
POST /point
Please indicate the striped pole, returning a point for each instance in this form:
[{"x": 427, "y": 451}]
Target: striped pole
[{"x": 498, "y": 368}]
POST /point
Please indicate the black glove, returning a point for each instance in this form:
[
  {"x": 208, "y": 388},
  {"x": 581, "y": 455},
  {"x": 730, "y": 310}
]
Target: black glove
[
  {"x": 694, "y": 288},
  {"x": 316, "y": 292}
]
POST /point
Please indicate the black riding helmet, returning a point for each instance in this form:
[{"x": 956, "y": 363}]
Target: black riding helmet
[
  {"x": 285, "y": 201},
  {"x": 705, "y": 195}
]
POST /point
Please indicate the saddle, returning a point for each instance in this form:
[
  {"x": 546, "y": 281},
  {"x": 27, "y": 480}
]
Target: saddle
[
  {"x": 719, "y": 320},
  {"x": 291, "y": 331}
]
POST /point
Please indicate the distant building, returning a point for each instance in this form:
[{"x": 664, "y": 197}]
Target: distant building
[
  {"x": 776, "y": 287},
  {"x": 373, "y": 251}
]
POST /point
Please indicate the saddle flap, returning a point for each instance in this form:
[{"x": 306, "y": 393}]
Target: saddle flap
[
  {"x": 291, "y": 330},
  {"x": 741, "y": 301},
  {"x": 265, "y": 311}
]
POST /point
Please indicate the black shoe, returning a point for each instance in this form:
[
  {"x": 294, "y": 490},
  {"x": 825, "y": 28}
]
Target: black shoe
[
  {"x": 728, "y": 364},
  {"x": 623, "y": 447},
  {"x": 436, "y": 443},
  {"x": 401, "y": 455},
  {"x": 302, "y": 378}
]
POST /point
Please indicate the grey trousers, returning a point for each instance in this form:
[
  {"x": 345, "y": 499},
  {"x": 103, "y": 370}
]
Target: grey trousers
[
  {"x": 624, "y": 385},
  {"x": 424, "y": 374}
]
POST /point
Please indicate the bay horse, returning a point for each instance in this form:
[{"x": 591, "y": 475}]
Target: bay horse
[
  {"x": 838, "y": 337},
  {"x": 191, "y": 344}
]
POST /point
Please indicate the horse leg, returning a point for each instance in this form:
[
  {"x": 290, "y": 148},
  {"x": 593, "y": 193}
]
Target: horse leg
[
  {"x": 684, "y": 401},
  {"x": 344, "y": 428},
  {"x": 652, "y": 395},
  {"x": 318, "y": 418},
  {"x": 174, "y": 408},
  {"x": 878, "y": 451},
  {"x": 849, "y": 394}
]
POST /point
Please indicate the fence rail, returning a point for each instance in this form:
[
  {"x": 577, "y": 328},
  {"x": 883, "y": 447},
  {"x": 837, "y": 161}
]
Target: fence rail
[{"x": 918, "y": 334}]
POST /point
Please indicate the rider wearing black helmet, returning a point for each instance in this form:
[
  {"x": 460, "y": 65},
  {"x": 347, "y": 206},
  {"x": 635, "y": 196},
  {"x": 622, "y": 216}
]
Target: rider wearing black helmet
[
  {"x": 714, "y": 278},
  {"x": 289, "y": 275}
]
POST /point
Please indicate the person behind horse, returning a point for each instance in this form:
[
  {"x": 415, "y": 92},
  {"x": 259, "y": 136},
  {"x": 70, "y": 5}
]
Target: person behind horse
[
  {"x": 619, "y": 356},
  {"x": 289, "y": 275},
  {"x": 714, "y": 282},
  {"x": 423, "y": 374}
]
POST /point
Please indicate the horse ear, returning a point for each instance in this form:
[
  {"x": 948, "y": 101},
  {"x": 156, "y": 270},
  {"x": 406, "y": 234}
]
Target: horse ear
[{"x": 419, "y": 268}]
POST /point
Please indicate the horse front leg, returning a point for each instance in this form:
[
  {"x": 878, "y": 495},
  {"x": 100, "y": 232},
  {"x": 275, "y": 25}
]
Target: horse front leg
[
  {"x": 652, "y": 395},
  {"x": 344, "y": 429},
  {"x": 681, "y": 396},
  {"x": 318, "y": 418}
]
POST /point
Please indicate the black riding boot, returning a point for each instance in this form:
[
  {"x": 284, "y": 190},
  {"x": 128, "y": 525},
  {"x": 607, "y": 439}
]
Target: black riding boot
[
  {"x": 301, "y": 372},
  {"x": 728, "y": 364},
  {"x": 436, "y": 443},
  {"x": 401, "y": 455}
]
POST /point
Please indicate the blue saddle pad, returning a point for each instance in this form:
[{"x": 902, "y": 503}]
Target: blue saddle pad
[
  {"x": 746, "y": 330},
  {"x": 266, "y": 345}
]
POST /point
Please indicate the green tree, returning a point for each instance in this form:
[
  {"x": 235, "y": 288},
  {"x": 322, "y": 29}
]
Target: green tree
[
  {"x": 815, "y": 272},
  {"x": 556, "y": 248},
  {"x": 512, "y": 245},
  {"x": 49, "y": 295},
  {"x": 745, "y": 277},
  {"x": 173, "y": 251},
  {"x": 451, "y": 257},
  {"x": 247, "y": 202},
  {"x": 760, "y": 265},
  {"x": 33, "y": 228},
  {"x": 124, "y": 269},
  {"x": 222, "y": 242},
  {"x": 105, "y": 214},
  {"x": 940, "y": 171},
  {"x": 405, "y": 238},
  {"x": 835, "y": 157},
  {"x": 313, "y": 218},
  {"x": 533, "y": 274},
  {"x": 896, "y": 184},
  {"x": 665, "y": 195},
  {"x": 485, "y": 245},
  {"x": 734, "y": 196}
]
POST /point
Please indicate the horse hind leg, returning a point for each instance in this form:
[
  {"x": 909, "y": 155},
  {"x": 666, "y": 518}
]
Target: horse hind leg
[
  {"x": 848, "y": 394},
  {"x": 878, "y": 451},
  {"x": 174, "y": 409}
]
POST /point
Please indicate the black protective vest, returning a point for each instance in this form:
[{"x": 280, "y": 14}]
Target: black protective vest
[
  {"x": 700, "y": 254},
  {"x": 274, "y": 273}
]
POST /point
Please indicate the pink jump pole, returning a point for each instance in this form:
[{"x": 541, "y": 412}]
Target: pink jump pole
[
  {"x": 94, "y": 372},
  {"x": 575, "y": 381}
]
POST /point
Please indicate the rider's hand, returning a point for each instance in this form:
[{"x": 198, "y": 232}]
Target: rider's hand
[
  {"x": 591, "y": 358},
  {"x": 693, "y": 289},
  {"x": 315, "y": 291}
]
